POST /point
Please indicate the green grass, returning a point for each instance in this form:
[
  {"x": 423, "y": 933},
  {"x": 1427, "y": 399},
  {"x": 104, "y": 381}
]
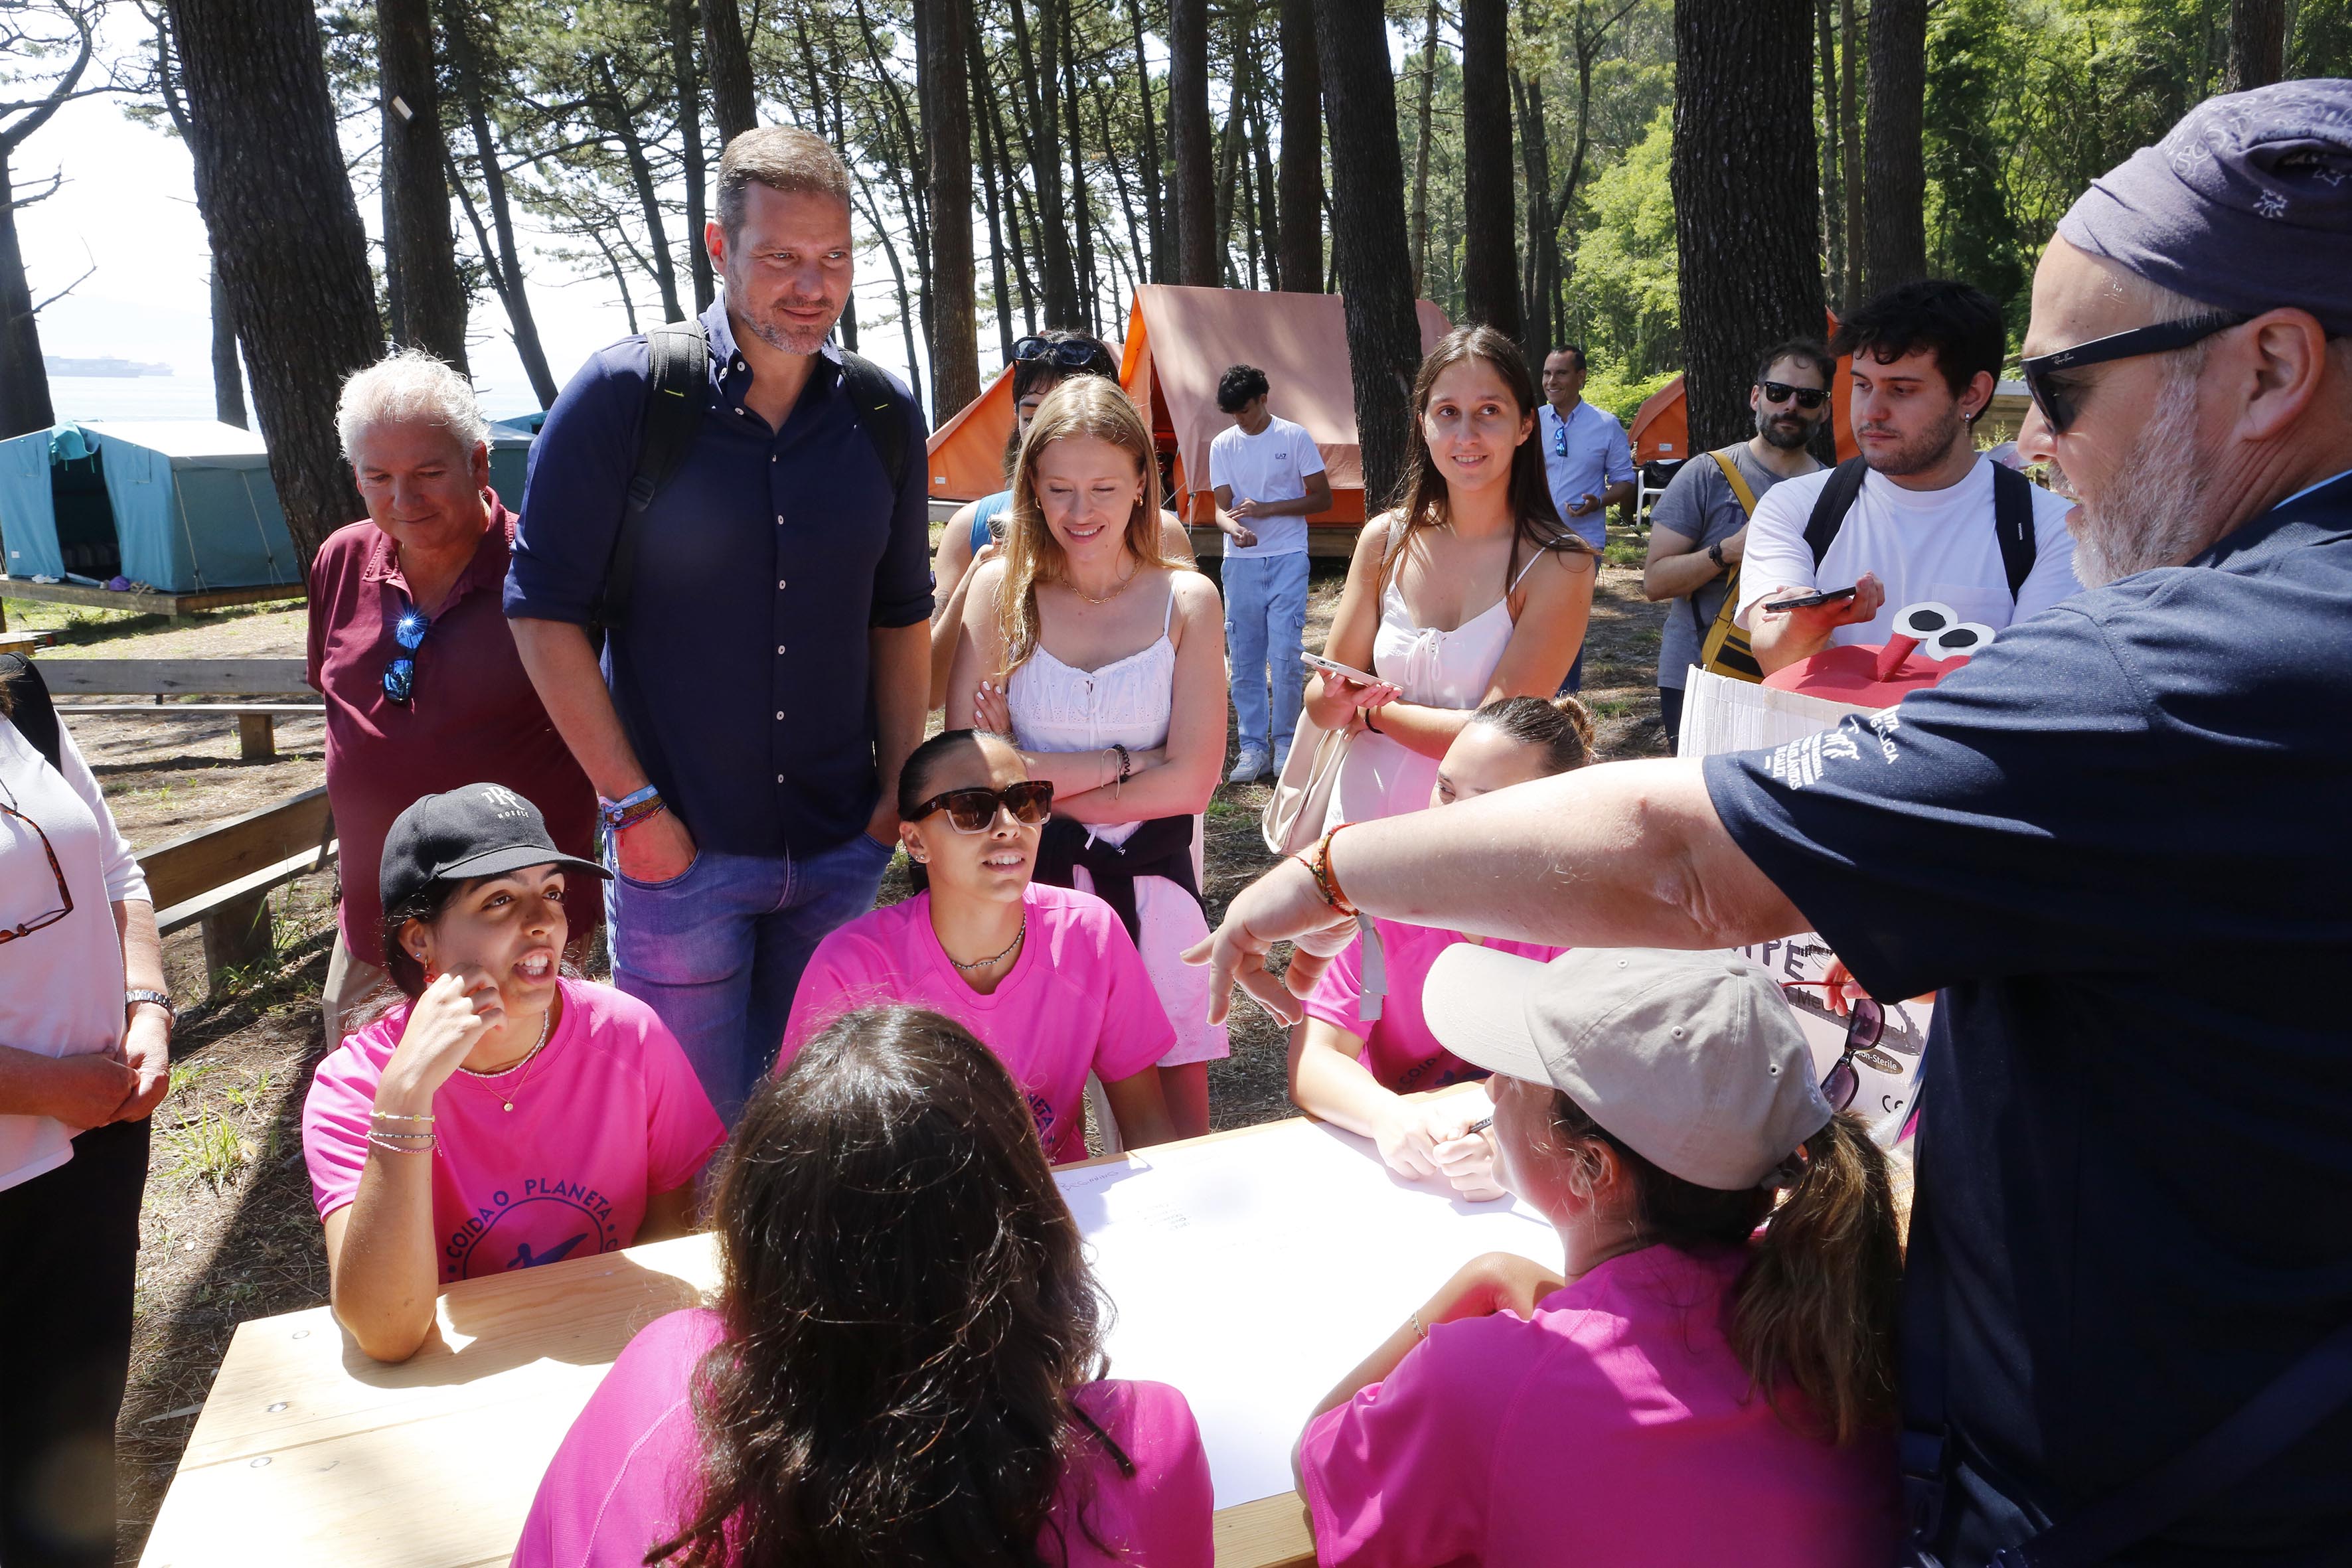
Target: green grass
[{"x": 207, "y": 1148}]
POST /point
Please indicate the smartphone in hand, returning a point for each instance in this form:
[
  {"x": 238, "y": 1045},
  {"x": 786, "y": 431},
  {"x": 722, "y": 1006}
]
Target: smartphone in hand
[
  {"x": 1811, "y": 601},
  {"x": 1344, "y": 672}
]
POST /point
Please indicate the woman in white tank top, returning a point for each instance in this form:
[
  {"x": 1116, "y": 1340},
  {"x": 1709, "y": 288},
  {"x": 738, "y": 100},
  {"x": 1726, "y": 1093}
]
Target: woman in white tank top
[
  {"x": 1106, "y": 662},
  {"x": 1470, "y": 592}
]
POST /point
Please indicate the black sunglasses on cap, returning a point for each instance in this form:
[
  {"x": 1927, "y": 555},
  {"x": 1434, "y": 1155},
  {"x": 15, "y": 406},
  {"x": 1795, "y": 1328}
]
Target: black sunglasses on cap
[
  {"x": 1806, "y": 396},
  {"x": 1031, "y": 801},
  {"x": 2056, "y": 395},
  {"x": 1070, "y": 353}
]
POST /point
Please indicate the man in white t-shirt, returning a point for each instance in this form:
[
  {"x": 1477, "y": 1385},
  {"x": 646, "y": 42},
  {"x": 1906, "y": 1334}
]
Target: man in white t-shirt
[
  {"x": 1268, "y": 478},
  {"x": 1922, "y": 523}
]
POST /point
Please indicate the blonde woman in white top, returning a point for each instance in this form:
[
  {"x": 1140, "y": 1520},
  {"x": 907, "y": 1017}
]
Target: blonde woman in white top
[
  {"x": 1106, "y": 662},
  {"x": 1470, "y": 592}
]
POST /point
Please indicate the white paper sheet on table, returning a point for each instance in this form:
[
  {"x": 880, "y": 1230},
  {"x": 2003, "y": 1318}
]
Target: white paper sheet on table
[{"x": 1253, "y": 1272}]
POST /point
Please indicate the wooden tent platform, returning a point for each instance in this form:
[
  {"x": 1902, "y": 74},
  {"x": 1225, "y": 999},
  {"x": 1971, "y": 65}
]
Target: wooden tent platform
[{"x": 154, "y": 603}]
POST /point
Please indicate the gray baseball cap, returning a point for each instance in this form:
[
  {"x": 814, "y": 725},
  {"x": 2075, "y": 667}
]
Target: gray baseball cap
[{"x": 1693, "y": 1059}]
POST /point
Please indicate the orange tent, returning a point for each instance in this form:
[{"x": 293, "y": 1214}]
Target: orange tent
[
  {"x": 1178, "y": 341},
  {"x": 1661, "y": 428}
]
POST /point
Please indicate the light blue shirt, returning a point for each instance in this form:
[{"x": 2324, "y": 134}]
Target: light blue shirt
[{"x": 1597, "y": 456}]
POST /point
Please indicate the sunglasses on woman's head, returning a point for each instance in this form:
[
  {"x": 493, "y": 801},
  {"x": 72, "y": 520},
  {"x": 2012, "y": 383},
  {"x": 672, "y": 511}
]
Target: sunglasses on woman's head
[
  {"x": 1070, "y": 353},
  {"x": 974, "y": 810},
  {"x": 1806, "y": 396},
  {"x": 408, "y": 632},
  {"x": 2057, "y": 393}
]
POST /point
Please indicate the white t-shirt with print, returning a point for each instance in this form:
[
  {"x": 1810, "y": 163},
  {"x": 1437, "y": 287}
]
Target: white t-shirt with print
[
  {"x": 1922, "y": 544},
  {"x": 1272, "y": 465}
]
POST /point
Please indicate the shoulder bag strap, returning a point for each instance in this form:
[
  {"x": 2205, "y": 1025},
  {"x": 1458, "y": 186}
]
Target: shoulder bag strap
[
  {"x": 33, "y": 715},
  {"x": 2012, "y": 522},
  {"x": 1832, "y": 505},
  {"x": 1723, "y": 647},
  {"x": 868, "y": 385},
  {"x": 677, "y": 379}
]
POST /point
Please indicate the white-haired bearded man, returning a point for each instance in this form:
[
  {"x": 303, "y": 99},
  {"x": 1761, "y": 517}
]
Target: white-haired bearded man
[{"x": 2115, "y": 842}]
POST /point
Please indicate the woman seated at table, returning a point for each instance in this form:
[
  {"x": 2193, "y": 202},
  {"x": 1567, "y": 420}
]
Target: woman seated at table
[
  {"x": 503, "y": 1115},
  {"x": 904, "y": 1364},
  {"x": 1048, "y": 976},
  {"x": 1355, "y": 1070},
  {"x": 1678, "y": 1393}
]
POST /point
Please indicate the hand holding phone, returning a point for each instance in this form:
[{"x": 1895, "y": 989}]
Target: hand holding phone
[
  {"x": 1344, "y": 672},
  {"x": 1811, "y": 601}
]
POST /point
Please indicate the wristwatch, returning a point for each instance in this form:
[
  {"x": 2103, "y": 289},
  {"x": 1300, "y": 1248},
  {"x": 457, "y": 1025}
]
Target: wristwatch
[
  {"x": 1714, "y": 553},
  {"x": 132, "y": 998}
]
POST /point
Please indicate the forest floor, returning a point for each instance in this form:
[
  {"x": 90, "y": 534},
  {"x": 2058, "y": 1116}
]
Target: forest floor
[{"x": 228, "y": 1232}]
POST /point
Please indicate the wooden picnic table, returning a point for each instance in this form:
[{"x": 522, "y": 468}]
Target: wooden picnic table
[{"x": 24, "y": 642}]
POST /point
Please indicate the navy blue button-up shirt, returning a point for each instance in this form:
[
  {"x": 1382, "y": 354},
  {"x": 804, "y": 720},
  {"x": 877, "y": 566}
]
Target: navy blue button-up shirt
[{"x": 742, "y": 674}]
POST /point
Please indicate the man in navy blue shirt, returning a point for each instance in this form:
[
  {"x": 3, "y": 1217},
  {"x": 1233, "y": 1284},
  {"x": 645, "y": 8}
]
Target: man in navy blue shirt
[
  {"x": 2115, "y": 842},
  {"x": 747, "y": 725}
]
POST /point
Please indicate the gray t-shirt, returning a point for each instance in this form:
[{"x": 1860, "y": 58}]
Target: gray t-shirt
[{"x": 1698, "y": 504}]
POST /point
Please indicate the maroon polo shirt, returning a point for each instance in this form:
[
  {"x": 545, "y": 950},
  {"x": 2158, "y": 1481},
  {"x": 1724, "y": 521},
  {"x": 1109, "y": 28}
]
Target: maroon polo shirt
[{"x": 472, "y": 716}]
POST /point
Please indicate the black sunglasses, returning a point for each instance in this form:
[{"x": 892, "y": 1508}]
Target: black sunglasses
[
  {"x": 65, "y": 894},
  {"x": 1806, "y": 396},
  {"x": 1865, "y": 1023},
  {"x": 408, "y": 632},
  {"x": 2057, "y": 397},
  {"x": 1070, "y": 353},
  {"x": 974, "y": 810}
]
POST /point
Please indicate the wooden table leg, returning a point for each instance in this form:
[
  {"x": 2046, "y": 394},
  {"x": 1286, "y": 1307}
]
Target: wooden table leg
[
  {"x": 237, "y": 934},
  {"x": 256, "y": 736}
]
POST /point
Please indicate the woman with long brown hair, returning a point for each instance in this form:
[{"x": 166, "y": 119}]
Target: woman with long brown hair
[
  {"x": 1106, "y": 662},
  {"x": 1470, "y": 590},
  {"x": 903, "y": 1364}
]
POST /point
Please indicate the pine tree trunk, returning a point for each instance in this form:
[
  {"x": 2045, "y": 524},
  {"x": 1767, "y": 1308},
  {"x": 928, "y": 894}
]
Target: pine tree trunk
[
  {"x": 24, "y": 403},
  {"x": 1490, "y": 261},
  {"x": 610, "y": 107},
  {"x": 1148, "y": 156},
  {"x": 1089, "y": 282},
  {"x": 1850, "y": 156},
  {"x": 1040, "y": 69},
  {"x": 228, "y": 375},
  {"x": 1229, "y": 145},
  {"x": 420, "y": 251},
  {"x": 1743, "y": 172},
  {"x": 2257, "y": 44},
  {"x": 1189, "y": 142},
  {"x": 1894, "y": 200},
  {"x": 988, "y": 168},
  {"x": 1268, "y": 203},
  {"x": 728, "y": 63},
  {"x": 1428, "y": 89},
  {"x": 1375, "y": 274},
  {"x": 682, "y": 31},
  {"x": 939, "y": 49},
  {"x": 1301, "y": 257},
  {"x": 285, "y": 233},
  {"x": 505, "y": 263},
  {"x": 1833, "y": 190}
]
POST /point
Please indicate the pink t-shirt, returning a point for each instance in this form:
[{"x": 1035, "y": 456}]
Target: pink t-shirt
[
  {"x": 1399, "y": 1049},
  {"x": 622, "y": 1480},
  {"x": 1078, "y": 1000},
  {"x": 1616, "y": 1427},
  {"x": 608, "y": 1112}
]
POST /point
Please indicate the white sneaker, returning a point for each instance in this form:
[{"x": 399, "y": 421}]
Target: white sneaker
[{"x": 1247, "y": 766}]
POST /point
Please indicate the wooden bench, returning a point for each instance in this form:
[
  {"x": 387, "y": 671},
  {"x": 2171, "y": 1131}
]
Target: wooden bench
[
  {"x": 220, "y": 878},
  {"x": 167, "y": 678}
]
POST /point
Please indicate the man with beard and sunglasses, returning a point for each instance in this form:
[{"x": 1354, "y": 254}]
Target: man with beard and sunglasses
[
  {"x": 1921, "y": 515},
  {"x": 1698, "y": 530},
  {"x": 2115, "y": 842},
  {"x": 739, "y": 505}
]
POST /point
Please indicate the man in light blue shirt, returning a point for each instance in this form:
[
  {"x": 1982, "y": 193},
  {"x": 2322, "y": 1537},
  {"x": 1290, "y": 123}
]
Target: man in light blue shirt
[{"x": 1586, "y": 456}]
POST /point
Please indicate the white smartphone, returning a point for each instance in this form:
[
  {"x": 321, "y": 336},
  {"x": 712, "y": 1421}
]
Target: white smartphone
[{"x": 1344, "y": 671}]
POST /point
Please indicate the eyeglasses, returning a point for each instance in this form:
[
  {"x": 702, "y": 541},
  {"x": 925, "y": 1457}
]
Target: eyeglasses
[
  {"x": 399, "y": 675},
  {"x": 1031, "y": 801},
  {"x": 2058, "y": 396},
  {"x": 1864, "y": 1025},
  {"x": 65, "y": 894},
  {"x": 1070, "y": 353},
  {"x": 1806, "y": 396}
]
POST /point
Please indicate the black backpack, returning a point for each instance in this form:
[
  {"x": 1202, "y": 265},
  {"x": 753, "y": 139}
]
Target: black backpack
[
  {"x": 676, "y": 394},
  {"x": 2012, "y": 518},
  {"x": 33, "y": 714}
]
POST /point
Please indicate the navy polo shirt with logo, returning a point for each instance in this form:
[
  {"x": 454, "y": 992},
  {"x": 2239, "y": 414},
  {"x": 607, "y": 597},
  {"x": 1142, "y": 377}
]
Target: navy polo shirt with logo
[
  {"x": 742, "y": 673},
  {"x": 2120, "y": 842}
]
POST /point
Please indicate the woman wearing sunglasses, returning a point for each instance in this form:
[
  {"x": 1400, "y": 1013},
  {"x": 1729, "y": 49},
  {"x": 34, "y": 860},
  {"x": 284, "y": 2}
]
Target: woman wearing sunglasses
[
  {"x": 1708, "y": 1377},
  {"x": 84, "y": 1058},
  {"x": 1046, "y": 976}
]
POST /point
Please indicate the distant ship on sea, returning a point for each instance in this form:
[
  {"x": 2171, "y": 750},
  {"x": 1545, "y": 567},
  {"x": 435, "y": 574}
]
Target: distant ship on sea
[{"x": 108, "y": 366}]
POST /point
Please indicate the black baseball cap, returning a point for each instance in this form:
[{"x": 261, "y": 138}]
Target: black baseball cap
[{"x": 479, "y": 830}]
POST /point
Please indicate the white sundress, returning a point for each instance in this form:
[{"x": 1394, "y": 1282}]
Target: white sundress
[
  {"x": 1381, "y": 777},
  {"x": 1126, "y": 702}
]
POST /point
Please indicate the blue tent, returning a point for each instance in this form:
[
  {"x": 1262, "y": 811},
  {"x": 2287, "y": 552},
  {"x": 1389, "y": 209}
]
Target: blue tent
[
  {"x": 182, "y": 505},
  {"x": 510, "y": 442}
]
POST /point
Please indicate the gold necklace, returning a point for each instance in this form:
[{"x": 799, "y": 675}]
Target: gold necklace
[
  {"x": 978, "y": 965},
  {"x": 546, "y": 1027},
  {"x": 1113, "y": 594}
]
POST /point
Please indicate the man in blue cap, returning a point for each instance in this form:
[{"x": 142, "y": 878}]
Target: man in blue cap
[{"x": 2116, "y": 843}]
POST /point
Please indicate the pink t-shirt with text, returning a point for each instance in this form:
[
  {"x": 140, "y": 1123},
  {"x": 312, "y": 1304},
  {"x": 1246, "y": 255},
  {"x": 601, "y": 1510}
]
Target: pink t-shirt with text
[
  {"x": 1616, "y": 1427},
  {"x": 623, "y": 1477},
  {"x": 608, "y": 1112},
  {"x": 1399, "y": 1049},
  {"x": 1078, "y": 999}
]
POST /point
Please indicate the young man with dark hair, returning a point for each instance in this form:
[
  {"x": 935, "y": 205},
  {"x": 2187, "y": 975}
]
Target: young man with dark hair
[
  {"x": 1915, "y": 518},
  {"x": 1698, "y": 530},
  {"x": 1268, "y": 477}
]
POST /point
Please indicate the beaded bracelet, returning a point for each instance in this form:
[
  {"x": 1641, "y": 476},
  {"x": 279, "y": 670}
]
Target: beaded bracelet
[
  {"x": 1318, "y": 866},
  {"x": 404, "y": 1142},
  {"x": 390, "y": 1116}
]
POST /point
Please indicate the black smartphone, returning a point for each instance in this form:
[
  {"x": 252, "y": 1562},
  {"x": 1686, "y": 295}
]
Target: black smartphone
[{"x": 1810, "y": 600}]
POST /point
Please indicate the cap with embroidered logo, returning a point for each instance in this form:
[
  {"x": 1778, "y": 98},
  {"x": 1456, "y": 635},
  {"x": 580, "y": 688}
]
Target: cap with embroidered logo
[{"x": 479, "y": 830}]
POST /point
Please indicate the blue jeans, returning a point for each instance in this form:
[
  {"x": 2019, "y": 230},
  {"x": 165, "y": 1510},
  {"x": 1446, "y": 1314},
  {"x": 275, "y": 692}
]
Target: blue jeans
[
  {"x": 717, "y": 952},
  {"x": 1265, "y": 617}
]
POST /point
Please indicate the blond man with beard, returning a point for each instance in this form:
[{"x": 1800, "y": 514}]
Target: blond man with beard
[{"x": 2115, "y": 842}]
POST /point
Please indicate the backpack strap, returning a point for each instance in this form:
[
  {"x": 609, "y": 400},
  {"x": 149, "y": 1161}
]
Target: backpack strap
[
  {"x": 875, "y": 402},
  {"x": 1832, "y": 505},
  {"x": 33, "y": 715},
  {"x": 2012, "y": 523},
  {"x": 677, "y": 392}
]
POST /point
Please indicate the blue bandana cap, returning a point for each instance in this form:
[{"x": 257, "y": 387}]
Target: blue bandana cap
[{"x": 2246, "y": 205}]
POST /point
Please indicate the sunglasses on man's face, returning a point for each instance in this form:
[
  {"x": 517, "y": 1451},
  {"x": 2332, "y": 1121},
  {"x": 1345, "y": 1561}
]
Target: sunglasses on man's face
[
  {"x": 65, "y": 894},
  {"x": 2059, "y": 394},
  {"x": 408, "y": 634},
  {"x": 1070, "y": 353},
  {"x": 1031, "y": 801},
  {"x": 1806, "y": 396}
]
